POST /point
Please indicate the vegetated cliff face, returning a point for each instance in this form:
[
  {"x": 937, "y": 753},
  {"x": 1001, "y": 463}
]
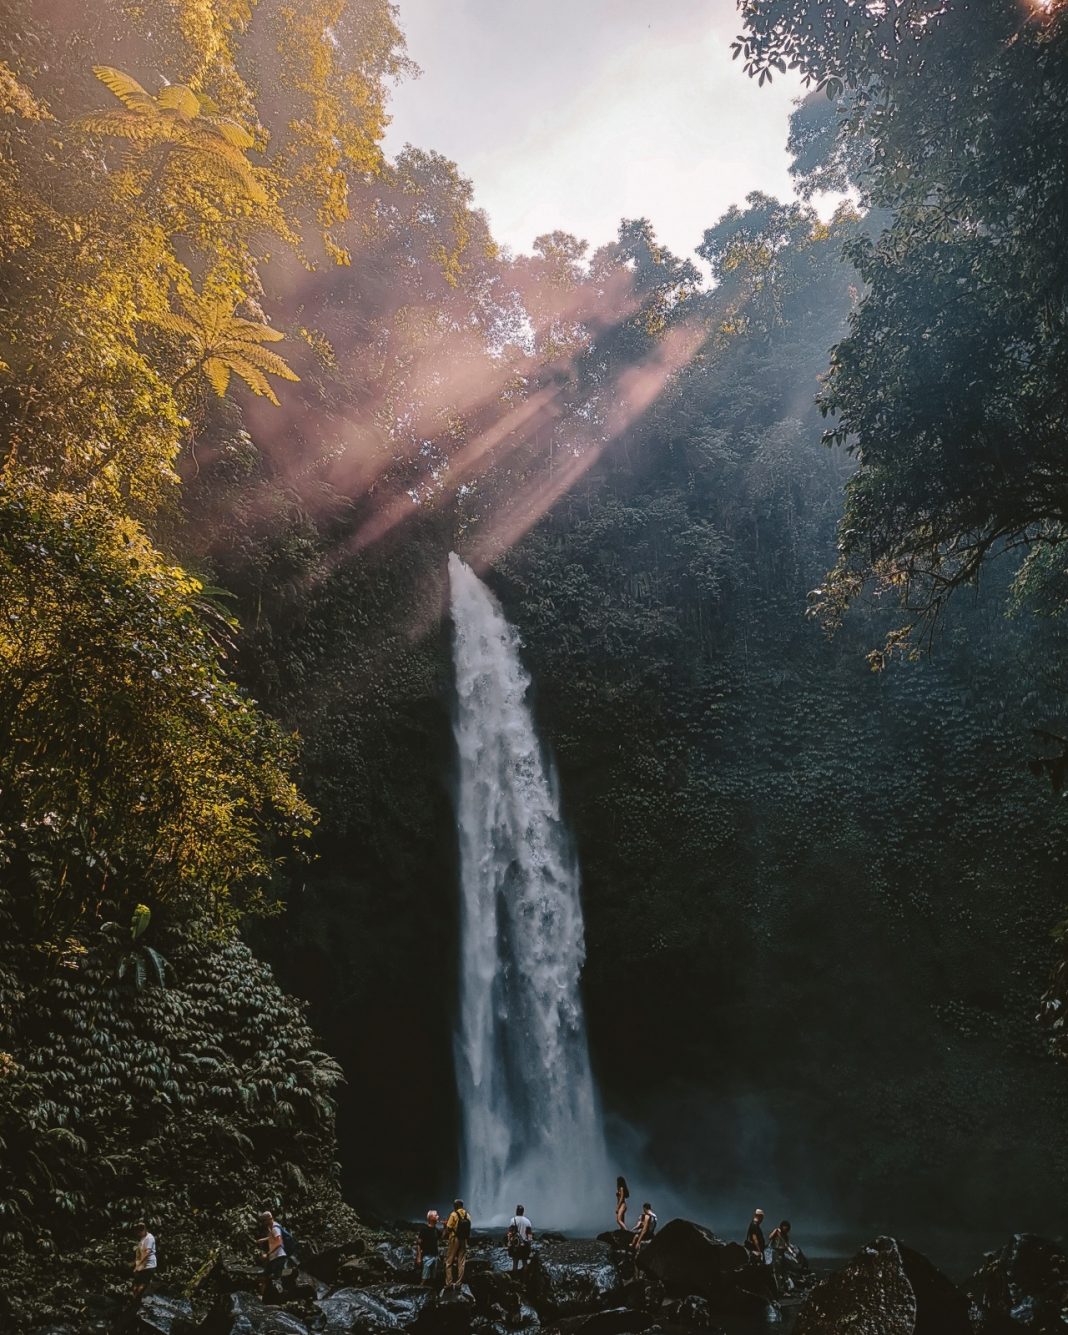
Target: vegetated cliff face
[{"x": 817, "y": 898}]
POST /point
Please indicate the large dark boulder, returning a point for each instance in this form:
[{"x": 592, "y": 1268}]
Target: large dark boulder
[
  {"x": 869, "y": 1296},
  {"x": 693, "y": 1313},
  {"x": 571, "y": 1288},
  {"x": 241, "y": 1314},
  {"x": 688, "y": 1258},
  {"x": 323, "y": 1259},
  {"x": 1024, "y": 1287},
  {"x": 941, "y": 1308},
  {"x": 160, "y": 1314},
  {"x": 449, "y": 1312},
  {"x": 612, "y": 1321},
  {"x": 371, "y": 1268}
]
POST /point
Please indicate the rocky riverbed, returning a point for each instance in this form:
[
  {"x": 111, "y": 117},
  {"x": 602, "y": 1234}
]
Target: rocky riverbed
[{"x": 688, "y": 1280}]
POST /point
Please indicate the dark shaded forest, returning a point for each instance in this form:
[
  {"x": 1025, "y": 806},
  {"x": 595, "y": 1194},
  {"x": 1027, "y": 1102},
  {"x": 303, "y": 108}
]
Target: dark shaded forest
[{"x": 782, "y": 535}]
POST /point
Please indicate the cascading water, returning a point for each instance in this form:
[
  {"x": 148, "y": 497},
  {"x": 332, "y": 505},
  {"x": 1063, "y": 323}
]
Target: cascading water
[{"x": 530, "y": 1116}]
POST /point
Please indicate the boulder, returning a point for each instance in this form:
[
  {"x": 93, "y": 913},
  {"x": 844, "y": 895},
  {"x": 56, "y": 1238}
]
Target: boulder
[
  {"x": 369, "y": 1311},
  {"x": 1024, "y": 1287},
  {"x": 322, "y": 1259},
  {"x": 869, "y": 1296},
  {"x": 693, "y": 1312},
  {"x": 160, "y": 1314},
  {"x": 241, "y": 1314},
  {"x": 449, "y": 1312},
  {"x": 571, "y": 1288},
  {"x": 231, "y": 1274},
  {"x": 689, "y": 1259},
  {"x": 941, "y": 1308},
  {"x": 399, "y": 1256},
  {"x": 371, "y": 1268},
  {"x": 612, "y": 1321}
]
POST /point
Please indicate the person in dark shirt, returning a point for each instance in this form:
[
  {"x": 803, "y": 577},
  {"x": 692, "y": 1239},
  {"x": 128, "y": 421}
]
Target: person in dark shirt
[
  {"x": 426, "y": 1248},
  {"x": 754, "y": 1238}
]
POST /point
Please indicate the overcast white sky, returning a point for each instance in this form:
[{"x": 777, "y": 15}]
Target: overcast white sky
[{"x": 573, "y": 114}]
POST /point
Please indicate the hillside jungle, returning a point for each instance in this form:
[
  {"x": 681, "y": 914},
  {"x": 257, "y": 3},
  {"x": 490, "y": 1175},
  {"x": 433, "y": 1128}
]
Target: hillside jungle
[{"x": 782, "y": 533}]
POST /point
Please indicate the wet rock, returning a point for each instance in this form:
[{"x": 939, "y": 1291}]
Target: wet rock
[
  {"x": 323, "y": 1259},
  {"x": 232, "y": 1274},
  {"x": 372, "y": 1268},
  {"x": 570, "y": 1288},
  {"x": 449, "y": 1312},
  {"x": 399, "y": 1256},
  {"x": 617, "y": 1240},
  {"x": 159, "y": 1314},
  {"x": 1024, "y": 1287},
  {"x": 941, "y": 1308},
  {"x": 240, "y": 1314},
  {"x": 350, "y": 1310},
  {"x": 689, "y": 1259},
  {"x": 612, "y": 1321},
  {"x": 693, "y": 1312},
  {"x": 869, "y": 1296}
]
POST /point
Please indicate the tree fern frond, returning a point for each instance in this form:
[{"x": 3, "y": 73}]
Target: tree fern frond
[
  {"x": 122, "y": 124},
  {"x": 218, "y": 374},
  {"x": 125, "y": 87},
  {"x": 231, "y": 131},
  {"x": 253, "y": 377},
  {"x": 177, "y": 97},
  {"x": 173, "y": 324},
  {"x": 262, "y": 358},
  {"x": 251, "y": 331}
]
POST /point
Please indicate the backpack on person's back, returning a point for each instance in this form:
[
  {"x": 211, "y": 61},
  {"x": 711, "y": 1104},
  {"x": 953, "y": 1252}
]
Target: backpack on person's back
[
  {"x": 463, "y": 1225},
  {"x": 290, "y": 1244}
]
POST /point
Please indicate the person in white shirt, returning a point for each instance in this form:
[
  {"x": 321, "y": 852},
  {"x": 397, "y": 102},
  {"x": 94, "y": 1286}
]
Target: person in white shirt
[
  {"x": 274, "y": 1260},
  {"x": 144, "y": 1266},
  {"x": 521, "y": 1235}
]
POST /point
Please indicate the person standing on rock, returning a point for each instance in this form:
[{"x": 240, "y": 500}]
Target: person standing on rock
[
  {"x": 274, "y": 1255},
  {"x": 645, "y": 1228},
  {"x": 783, "y": 1256},
  {"x": 622, "y": 1197},
  {"x": 145, "y": 1261},
  {"x": 754, "y": 1238},
  {"x": 521, "y": 1235},
  {"x": 426, "y": 1248},
  {"x": 457, "y": 1235}
]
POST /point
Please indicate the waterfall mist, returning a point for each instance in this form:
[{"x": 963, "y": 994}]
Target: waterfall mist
[{"x": 530, "y": 1117}]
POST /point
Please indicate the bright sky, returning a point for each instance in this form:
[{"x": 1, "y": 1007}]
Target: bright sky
[{"x": 573, "y": 114}]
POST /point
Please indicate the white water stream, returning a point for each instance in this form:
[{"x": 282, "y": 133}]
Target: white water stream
[{"x": 531, "y": 1129}]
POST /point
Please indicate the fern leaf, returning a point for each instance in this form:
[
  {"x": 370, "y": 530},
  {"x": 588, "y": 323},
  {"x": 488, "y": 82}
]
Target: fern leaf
[
  {"x": 121, "y": 124},
  {"x": 218, "y": 374},
  {"x": 173, "y": 324},
  {"x": 253, "y": 377},
  {"x": 251, "y": 331},
  {"x": 262, "y": 358},
  {"x": 233, "y": 133},
  {"x": 125, "y": 87},
  {"x": 177, "y": 97}
]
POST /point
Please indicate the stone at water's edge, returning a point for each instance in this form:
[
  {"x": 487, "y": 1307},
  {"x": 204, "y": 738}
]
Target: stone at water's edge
[
  {"x": 689, "y": 1259},
  {"x": 941, "y": 1308},
  {"x": 1024, "y": 1287},
  {"x": 870, "y": 1296}
]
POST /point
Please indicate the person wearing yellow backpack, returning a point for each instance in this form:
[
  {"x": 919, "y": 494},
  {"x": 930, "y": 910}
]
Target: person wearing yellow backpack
[{"x": 457, "y": 1236}]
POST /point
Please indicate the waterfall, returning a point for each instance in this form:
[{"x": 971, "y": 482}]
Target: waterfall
[{"x": 530, "y": 1117}]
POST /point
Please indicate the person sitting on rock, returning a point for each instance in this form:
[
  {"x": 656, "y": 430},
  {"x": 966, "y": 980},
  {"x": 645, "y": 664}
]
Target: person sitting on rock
[
  {"x": 144, "y": 1266},
  {"x": 645, "y": 1227},
  {"x": 622, "y": 1197},
  {"x": 274, "y": 1253},
  {"x": 520, "y": 1237},
  {"x": 426, "y": 1248},
  {"x": 457, "y": 1234},
  {"x": 754, "y": 1238}
]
